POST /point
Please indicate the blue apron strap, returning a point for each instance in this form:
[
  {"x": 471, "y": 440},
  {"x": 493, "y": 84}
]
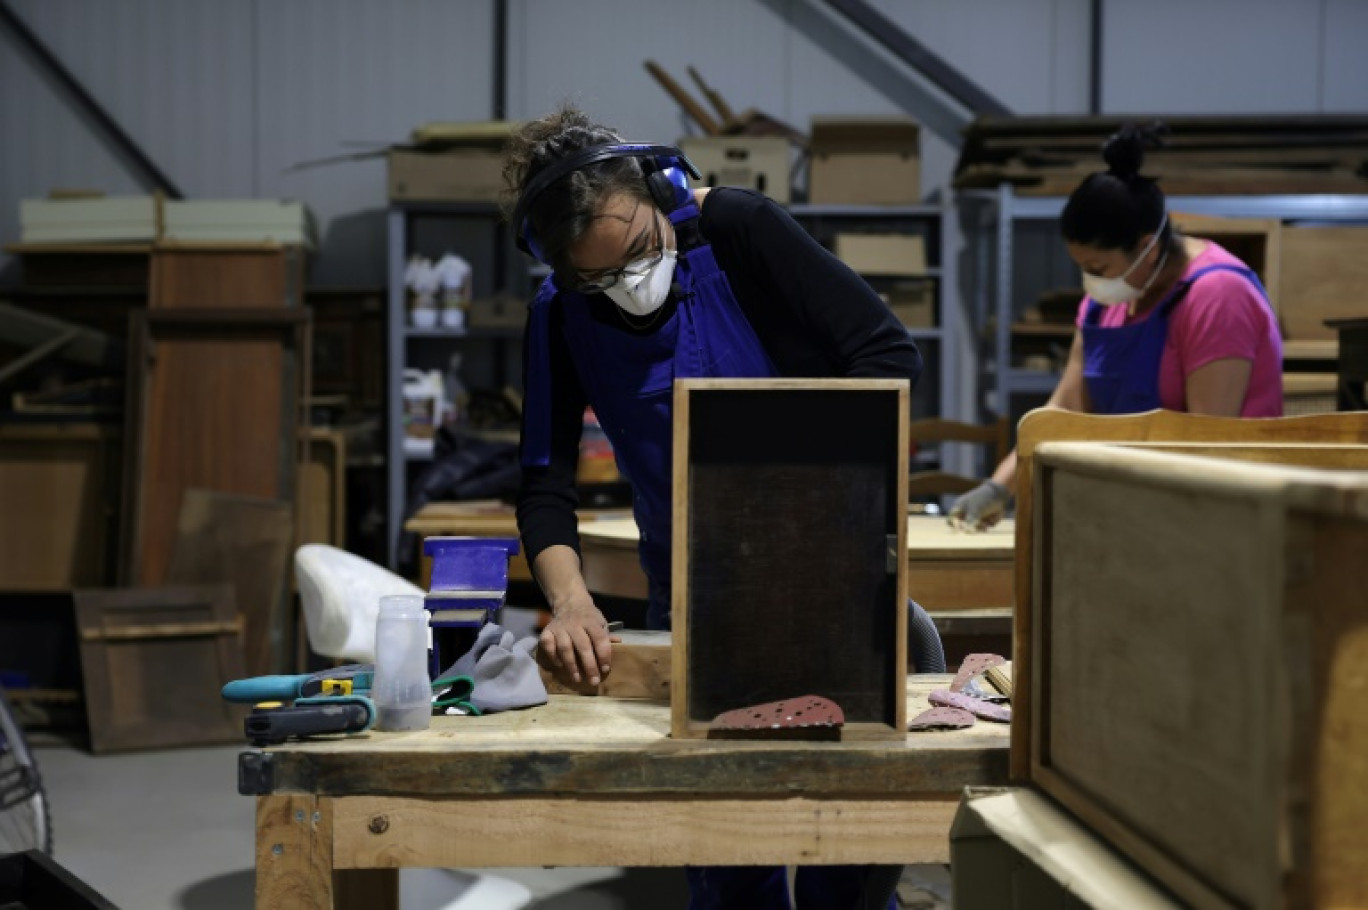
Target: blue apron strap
[
  {"x": 1178, "y": 293},
  {"x": 536, "y": 435}
]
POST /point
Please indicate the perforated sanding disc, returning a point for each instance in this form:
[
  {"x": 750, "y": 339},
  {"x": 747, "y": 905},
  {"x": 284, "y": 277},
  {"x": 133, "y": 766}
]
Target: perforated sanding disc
[
  {"x": 972, "y": 666},
  {"x": 979, "y": 708},
  {"x": 941, "y": 719},
  {"x": 788, "y": 714}
]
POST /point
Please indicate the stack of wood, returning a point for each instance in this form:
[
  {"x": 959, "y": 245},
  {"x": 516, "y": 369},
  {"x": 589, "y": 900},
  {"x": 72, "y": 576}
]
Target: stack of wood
[{"x": 1050, "y": 156}]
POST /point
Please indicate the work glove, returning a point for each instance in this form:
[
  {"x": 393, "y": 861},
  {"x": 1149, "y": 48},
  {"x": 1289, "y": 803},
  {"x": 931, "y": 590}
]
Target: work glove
[
  {"x": 504, "y": 671},
  {"x": 980, "y": 508}
]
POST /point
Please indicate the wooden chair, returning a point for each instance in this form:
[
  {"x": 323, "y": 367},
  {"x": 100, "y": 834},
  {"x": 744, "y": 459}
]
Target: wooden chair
[
  {"x": 1338, "y": 440},
  {"x": 997, "y": 435}
]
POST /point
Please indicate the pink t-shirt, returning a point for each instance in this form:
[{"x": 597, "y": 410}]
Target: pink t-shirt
[{"x": 1222, "y": 316}]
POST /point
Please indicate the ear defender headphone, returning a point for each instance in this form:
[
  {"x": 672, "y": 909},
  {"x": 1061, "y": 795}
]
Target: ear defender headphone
[{"x": 666, "y": 172}]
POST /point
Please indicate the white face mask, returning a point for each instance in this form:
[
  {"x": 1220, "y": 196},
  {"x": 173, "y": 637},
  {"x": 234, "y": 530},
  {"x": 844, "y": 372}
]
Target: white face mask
[
  {"x": 1115, "y": 291},
  {"x": 643, "y": 292}
]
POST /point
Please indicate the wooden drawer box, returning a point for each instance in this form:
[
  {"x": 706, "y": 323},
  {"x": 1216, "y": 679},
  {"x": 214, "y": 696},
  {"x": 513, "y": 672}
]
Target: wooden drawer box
[
  {"x": 790, "y": 515},
  {"x": 1199, "y": 644}
]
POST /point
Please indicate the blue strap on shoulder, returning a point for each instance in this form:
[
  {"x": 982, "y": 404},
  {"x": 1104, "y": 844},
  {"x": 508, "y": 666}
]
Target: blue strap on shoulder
[{"x": 536, "y": 435}]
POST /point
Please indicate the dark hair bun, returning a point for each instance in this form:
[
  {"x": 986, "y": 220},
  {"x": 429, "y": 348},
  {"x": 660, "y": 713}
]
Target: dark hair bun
[{"x": 1124, "y": 150}]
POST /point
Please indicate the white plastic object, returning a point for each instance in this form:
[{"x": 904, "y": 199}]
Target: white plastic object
[
  {"x": 401, "y": 689},
  {"x": 340, "y": 594}
]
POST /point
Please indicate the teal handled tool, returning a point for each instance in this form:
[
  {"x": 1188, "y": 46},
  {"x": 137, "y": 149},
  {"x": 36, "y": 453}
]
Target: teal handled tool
[
  {"x": 353, "y": 679},
  {"x": 272, "y": 723}
]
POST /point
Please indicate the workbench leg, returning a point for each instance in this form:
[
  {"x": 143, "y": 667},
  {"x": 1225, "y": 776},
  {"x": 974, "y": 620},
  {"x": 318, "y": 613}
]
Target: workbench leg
[{"x": 294, "y": 852}]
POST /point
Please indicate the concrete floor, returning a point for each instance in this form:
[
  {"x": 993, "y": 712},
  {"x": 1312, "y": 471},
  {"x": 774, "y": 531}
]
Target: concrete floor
[{"x": 167, "y": 830}]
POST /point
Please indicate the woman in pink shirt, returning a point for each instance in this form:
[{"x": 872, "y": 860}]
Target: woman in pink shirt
[{"x": 1168, "y": 322}]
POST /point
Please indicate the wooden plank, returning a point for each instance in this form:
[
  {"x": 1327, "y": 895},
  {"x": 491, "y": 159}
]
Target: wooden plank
[
  {"x": 641, "y": 669},
  {"x": 294, "y": 852},
  {"x": 1330, "y": 716},
  {"x": 1325, "y": 276},
  {"x": 218, "y": 276},
  {"x": 215, "y": 400},
  {"x": 645, "y": 832},
  {"x": 60, "y": 487},
  {"x": 807, "y": 480},
  {"x": 145, "y": 691},
  {"x": 613, "y": 746},
  {"x": 321, "y": 494},
  {"x": 246, "y": 542},
  {"x": 1286, "y": 440}
]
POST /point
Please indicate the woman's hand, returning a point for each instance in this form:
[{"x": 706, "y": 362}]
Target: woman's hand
[{"x": 576, "y": 640}]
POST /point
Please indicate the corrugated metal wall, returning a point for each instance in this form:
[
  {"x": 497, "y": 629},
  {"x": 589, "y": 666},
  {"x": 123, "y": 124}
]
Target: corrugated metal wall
[{"x": 227, "y": 96}]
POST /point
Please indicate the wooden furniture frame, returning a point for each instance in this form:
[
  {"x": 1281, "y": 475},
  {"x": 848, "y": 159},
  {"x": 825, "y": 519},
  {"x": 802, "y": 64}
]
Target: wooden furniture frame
[
  {"x": 790, "y": 518},
  {"x": 1201, "y": 629},
  {"x": 1320, "y": 440},
  {"x": 337, "y": 819},
  {"x": 154, "y": 660}
]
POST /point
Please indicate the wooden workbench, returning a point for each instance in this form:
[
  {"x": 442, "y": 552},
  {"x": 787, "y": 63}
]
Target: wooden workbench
[{"x": 597, "y": 782}]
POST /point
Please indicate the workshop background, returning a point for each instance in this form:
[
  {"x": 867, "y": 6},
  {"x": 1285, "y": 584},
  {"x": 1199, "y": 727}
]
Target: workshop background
[{"x": 310, "y": 101}]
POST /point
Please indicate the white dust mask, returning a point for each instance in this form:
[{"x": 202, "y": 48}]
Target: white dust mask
[
  {"x": 642, "y": 292},
  {"x": 1115, "y": 291}
]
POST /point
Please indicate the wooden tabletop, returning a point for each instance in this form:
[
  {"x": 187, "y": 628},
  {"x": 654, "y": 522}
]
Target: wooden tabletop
[
  {"x": 928, "y": 537},
  {"x": 604, "y": 746}
]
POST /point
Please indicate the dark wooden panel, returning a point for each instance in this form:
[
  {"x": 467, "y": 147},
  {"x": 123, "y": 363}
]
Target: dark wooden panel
[
  {"x": 59, "y": 486},
  {"x": 795, "y": 500},
  {"x": 214, "y": 404},
  {"x": 154, "y": 660},
  {"x": 216, "y": 278},
  {"x": 246, "y": 542}
]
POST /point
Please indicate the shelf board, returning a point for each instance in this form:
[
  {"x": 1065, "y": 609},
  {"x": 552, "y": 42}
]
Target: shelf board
[
  {"x": 475, "y": 333},
  {"x": 808, "y": 210},
  {"x": 1043, "y": 329},
  {"x": 472, "y": 209},
  {"x": 1031, "y": 381},
  {"x": 1311, "y": 349}
]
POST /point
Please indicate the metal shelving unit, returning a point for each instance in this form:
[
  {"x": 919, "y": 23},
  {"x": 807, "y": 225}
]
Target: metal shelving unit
[
  {"x": 940, "y": 344},
  {"x": 492, "y": 274},
  {"x": 993, "y": 216}
]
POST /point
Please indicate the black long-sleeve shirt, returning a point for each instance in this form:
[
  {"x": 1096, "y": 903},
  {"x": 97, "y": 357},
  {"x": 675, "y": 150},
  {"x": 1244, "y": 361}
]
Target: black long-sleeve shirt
[{"x": 813, "y": 315}]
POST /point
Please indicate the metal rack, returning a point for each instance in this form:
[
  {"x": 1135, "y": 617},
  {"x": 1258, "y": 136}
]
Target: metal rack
[
  {"x": 940, "y": 342},
  {"x": 402, "y": 221},
  {"x": 993, "y": 215}
]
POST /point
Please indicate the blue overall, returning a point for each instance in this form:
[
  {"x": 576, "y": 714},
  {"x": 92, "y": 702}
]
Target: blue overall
[
  {"x": 629, "y": 381},
  {"x": 1121, "y": 363}
]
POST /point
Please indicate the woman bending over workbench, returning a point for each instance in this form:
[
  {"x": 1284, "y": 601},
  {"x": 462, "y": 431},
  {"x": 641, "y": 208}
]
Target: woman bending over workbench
[
  {"x": 1167, "y": 321},
  {"x": 652, "y": 281}
]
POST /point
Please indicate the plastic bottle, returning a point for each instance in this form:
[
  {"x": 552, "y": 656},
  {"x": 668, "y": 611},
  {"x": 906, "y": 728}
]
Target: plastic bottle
[{"x": 401, "y": 689}]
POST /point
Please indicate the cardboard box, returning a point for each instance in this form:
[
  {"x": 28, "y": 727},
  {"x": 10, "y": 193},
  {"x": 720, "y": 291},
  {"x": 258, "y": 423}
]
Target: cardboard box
[
  {"x": 453, "y": 175},
  {"x": 239, "y": 221},
  {"x": 913, "y": 302},
  {"x": 110, "y": 219},
  {"x": 759, "y": 163},
  {"x": 882, "y": 254},
  {"x": 865, "y": 161},
  {"x": 1012, "y": 847}
]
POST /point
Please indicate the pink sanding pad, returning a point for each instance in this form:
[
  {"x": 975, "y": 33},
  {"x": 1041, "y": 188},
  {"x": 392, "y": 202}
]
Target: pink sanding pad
[
  {"x": 976, "y": 706},
  {"x": 791, "y": 713},
  {"x": 972, "y": 666},
  {"x": 941, "y": 719}
]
